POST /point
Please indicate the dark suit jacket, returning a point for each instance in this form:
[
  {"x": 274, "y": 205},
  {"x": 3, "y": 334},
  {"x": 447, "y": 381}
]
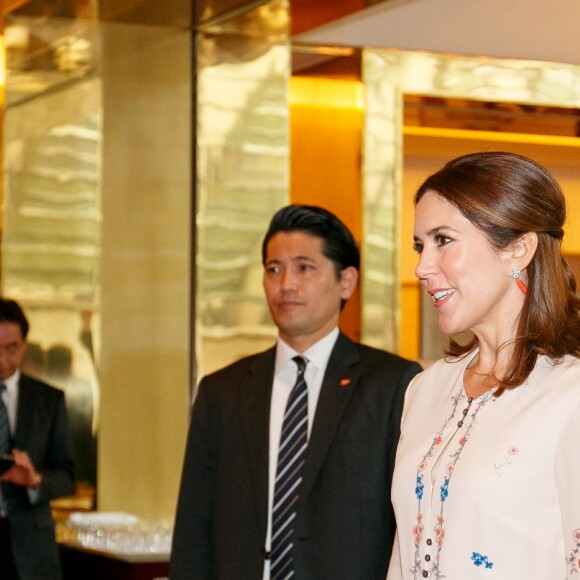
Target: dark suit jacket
[
  {"x": 345, "y": 524},
  {"x": 42, "y": 431}
]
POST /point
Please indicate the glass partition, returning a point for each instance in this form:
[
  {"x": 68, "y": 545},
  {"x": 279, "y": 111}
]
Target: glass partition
[
  {"x": 382, "y": 174},
  {"x": 51, "y": 247}
]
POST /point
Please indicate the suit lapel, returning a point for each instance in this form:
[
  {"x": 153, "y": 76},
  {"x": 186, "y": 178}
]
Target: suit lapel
[
  {"x": 340, "y": 379},
  {"x": 255, "y": 397}
]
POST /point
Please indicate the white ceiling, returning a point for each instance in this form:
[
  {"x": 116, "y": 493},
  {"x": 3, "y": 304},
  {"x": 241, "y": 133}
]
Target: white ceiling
[{"x": 528, "y": 29}]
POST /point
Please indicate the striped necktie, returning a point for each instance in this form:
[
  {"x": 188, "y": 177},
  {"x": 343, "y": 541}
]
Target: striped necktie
[
  {"x": 291, "y": 453},
  {"x": 5, "y": 435}
]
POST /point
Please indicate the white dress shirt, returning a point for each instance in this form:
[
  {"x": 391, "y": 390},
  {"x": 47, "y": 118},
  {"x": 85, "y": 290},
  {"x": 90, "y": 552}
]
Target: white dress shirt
[
  {"x": 10, "y": 398},
  {"x": 285, "y": 372}
]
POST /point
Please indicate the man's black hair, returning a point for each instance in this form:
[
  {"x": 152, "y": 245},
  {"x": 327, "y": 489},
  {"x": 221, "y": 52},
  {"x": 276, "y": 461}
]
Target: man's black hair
[
  {"x": 10, "y": 311},
  {"x": 338, "y": 243}
]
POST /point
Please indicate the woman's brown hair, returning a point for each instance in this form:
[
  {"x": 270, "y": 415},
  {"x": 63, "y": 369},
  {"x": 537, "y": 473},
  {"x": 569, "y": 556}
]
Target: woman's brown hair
[{"x": 507, "y": 195}]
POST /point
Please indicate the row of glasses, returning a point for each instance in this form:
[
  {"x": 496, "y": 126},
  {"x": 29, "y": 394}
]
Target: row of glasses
[{"x": 134, "y": 539}]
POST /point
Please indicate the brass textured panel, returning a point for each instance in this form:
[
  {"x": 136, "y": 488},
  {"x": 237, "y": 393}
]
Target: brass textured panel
[{"x": 242, "y": 176}]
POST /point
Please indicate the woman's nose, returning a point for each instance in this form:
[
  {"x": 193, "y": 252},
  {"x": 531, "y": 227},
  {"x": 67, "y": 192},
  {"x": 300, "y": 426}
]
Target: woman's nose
[{"x": 424, "y": 266}]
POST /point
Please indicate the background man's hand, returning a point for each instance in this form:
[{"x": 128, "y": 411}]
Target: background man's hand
[{"x": 23, "y": 471}]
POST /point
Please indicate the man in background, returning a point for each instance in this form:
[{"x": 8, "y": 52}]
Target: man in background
[
  {"x": 290, "y": 452},
  {"x": 34, "y": 432}
]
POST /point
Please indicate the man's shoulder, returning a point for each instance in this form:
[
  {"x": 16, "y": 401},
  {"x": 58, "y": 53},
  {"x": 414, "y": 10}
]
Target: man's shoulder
[
  {"x": 241, "y": 366},
  {"x": 385, "y": 357},
  {"x": 37, "y": 386},
  {"x": 370, "y": 355}
]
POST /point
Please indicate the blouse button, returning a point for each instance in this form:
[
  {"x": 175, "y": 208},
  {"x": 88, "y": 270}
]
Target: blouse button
[
  {"x": 427, "y": 558},
  {"x": 429, "y": 541},
  {"x": 425, "y": 574}
]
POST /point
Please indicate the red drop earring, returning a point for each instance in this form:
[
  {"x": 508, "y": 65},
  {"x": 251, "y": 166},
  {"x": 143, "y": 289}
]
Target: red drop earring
[{"x": 516, "y": 274}]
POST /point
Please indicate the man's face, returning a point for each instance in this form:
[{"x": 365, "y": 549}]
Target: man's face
[
  {"x": 12, "y": 349},
  {"x": 302, "y": 288}
]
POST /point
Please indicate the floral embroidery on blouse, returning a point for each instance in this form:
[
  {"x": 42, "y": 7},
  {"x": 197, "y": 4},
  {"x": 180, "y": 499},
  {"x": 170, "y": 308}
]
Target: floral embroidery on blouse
[
  {"x": 480, "y": 560},
  {"x": 439, "y": 529},
  {"x": 418, "y": 529},
  {"x": 507, "y": 460},
  {"x": 439, "y": 533},
  {"x": 573, "y": 559},
  {"x": 419, "y": 487}
]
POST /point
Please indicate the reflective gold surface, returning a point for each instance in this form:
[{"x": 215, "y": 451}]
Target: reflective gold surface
[
  {"x": 51, "y": 246},
  {"x": 382, "y": 174},
  {"x": 98, "y": 223},
  {"x": 242, "y": 177},
  {"x": 98, "y": 150}
]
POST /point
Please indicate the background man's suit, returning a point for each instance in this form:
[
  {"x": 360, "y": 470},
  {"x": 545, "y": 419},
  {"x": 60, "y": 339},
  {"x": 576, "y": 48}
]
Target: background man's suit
[
  {"x": 42, "y": 431},
  {"x": 345, "y": 525}
]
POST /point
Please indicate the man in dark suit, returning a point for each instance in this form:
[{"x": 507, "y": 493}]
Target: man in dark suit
[
  {"x": 333, "y": 518},
  {"x": 34, "y": 431}
]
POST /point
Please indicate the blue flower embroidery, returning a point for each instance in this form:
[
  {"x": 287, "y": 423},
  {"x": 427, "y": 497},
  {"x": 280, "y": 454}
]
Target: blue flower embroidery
[
  {"x": 479, "y": 559},
  {"x": 445, "y": 489},
  {"x": 419, "y": 487}
]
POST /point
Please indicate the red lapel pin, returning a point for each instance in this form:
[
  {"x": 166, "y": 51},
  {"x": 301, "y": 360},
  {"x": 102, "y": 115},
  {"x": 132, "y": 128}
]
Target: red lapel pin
[{"x": 344, "y": 382}]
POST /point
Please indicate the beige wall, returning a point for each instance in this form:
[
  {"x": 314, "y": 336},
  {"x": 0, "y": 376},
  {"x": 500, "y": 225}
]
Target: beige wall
[{"x": 146, "y": 255}]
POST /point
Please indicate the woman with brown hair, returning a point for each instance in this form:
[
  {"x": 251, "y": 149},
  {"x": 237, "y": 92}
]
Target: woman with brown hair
[{"x": 487, "y": 480}]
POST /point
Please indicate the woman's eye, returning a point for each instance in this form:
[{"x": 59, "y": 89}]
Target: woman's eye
[
  {"x": 417, "y": 247},
  {"x": 442, "y": 240}
]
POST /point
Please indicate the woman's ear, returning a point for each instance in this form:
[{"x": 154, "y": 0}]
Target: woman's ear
[{"x": 520, "y": 252}]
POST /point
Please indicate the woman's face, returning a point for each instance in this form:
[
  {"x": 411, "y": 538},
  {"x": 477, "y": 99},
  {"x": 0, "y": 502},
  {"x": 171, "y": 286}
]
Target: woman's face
[{"x": 466, "y": 277}]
